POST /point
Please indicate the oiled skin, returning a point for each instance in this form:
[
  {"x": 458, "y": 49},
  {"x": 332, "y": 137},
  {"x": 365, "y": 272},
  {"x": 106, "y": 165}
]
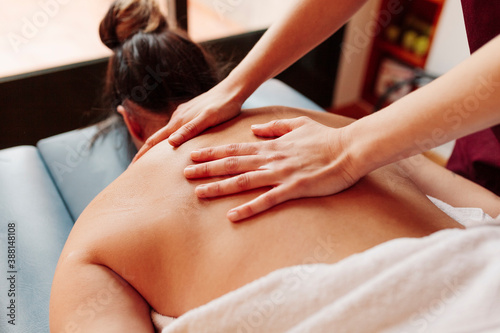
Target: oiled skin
[{"x": 180, "y": 252}]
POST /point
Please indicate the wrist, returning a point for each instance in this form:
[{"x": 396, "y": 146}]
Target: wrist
[
  {"x": 361, "y": 148},
  {"x": 343, "y": 162},
  {"x": 241, "y": 84},
  {"x": 233, "y": 91}
]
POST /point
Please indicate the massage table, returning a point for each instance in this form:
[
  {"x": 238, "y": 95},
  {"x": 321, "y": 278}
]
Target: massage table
[{"x": 446, "y": 282}]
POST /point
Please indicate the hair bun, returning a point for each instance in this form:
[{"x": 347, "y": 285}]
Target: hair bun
[{"x": 125, "y": 18}]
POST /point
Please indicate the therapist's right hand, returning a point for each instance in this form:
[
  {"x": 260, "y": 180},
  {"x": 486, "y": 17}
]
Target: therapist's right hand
[{"x": 193, "y": 117}]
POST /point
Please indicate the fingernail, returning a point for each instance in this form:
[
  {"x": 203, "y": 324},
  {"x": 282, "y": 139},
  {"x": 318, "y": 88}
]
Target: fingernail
[
  {"x": 256, "y": 126},
  {"x": 195, "y": 154},
  {"x": 176, "y": 138},
  {"x": 189, "y": 171},
  {"x": 201, "y": 191},
  {"x": 232, "y": 215}
]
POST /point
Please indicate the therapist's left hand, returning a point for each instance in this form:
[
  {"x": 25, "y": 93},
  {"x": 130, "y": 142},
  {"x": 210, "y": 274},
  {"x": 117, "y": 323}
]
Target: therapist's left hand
[{"x": 307, "y": 160}]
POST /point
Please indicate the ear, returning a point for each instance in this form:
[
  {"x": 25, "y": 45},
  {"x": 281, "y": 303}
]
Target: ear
[{"x": 133, "y": 126}]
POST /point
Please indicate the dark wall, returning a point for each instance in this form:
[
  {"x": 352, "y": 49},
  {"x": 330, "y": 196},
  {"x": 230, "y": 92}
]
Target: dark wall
[{"x": 38, "y": 105}]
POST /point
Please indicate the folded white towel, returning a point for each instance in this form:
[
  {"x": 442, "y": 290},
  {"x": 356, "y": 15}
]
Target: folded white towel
[
  {"x": 446, "y": 282},
  {"x": 467, "y": 216}
]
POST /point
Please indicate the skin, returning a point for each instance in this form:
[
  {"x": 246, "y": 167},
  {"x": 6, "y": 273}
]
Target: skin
[
  {"x": 419, "y": 122},
  {"x": 148, "y": 241},
  {"x": 445, "y": 185},
  {"x": 432, "y": 115}
]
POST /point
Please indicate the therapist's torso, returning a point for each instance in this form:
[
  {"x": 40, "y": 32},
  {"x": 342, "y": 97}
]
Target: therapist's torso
[{"x": 477, "y": 156}]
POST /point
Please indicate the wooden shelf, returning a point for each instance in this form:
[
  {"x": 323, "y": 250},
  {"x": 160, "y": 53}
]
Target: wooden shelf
[
  {"x": 401, "y": 54},
  {"x": 427, "y": 11}
]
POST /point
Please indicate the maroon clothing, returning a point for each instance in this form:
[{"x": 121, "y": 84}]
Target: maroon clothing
[
  {"x": 477, "y": 156},
  {"x": 481, "y": 21}
]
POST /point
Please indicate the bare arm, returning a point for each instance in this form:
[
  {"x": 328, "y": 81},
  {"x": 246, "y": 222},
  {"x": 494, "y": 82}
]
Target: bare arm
[
  {"x": 461, "y": 102},
  {"x": 91, "y": 298},
  {"x": 465, "y": 100},
  {"x": 443, "y": 184},
  {"x": 302, "y": 28}
]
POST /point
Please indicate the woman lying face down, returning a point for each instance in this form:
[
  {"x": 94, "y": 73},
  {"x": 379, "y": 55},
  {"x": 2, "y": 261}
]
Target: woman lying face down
[{"x": 146, "y": 242}]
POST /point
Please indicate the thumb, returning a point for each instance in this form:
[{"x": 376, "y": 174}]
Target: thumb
[{"x": 279, "y": 127}]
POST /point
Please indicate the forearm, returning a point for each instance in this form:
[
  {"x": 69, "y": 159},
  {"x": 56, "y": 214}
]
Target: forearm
[
  {"x": 461, "y": 102},
  {"x": 308, "y": 23},
  {"x": 440, "y": 183},
  {"x": 303, "y": 27}
]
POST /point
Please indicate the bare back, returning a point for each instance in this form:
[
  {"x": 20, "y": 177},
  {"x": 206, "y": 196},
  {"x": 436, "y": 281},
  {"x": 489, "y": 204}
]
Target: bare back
[{"x": 180, "y": 252}]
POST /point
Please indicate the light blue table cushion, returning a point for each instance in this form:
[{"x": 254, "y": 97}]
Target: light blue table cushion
[{"x": 40, "y": 224}]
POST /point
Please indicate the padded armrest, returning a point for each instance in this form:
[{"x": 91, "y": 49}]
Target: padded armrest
[
  {"x": 79, "y": 170},
  {"x": 29, "y": 201}
]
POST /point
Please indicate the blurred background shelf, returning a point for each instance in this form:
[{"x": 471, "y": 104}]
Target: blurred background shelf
[
  {"x": 398, "y": 52},
  {"x": 405, "y": 38}
]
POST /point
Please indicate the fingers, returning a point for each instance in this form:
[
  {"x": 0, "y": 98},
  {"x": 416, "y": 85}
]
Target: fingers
[
  {"x": 280, "y": 127},
  {"x": 243, "y": 182},
  {"x": 139, "y": 154},
  {"x": 215, "y": 153},
  {"x": 262, "y": 203},
  {"x": 226, "y": 166},
  {"x": 189, "y": 131}
]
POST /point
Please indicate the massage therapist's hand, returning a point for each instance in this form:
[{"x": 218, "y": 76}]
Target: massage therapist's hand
[
  {"x": 307, "y": 160},
  {"x": 191, "y": 118}
]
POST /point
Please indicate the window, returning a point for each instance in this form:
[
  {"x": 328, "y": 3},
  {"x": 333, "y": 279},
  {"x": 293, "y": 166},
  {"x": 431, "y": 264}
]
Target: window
[
  {"x": 42, "y": 34},
  {"x": 210, "y": 19}
]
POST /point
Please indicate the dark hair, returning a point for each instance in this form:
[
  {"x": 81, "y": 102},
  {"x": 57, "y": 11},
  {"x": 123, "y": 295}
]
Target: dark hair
[{"x": 152, "y": 65}]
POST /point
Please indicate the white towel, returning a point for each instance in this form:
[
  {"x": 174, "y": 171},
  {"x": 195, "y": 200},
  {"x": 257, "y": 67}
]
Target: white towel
[
  {"x": 467, "y": 216},
  {"x": 446, "y": 282}
]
